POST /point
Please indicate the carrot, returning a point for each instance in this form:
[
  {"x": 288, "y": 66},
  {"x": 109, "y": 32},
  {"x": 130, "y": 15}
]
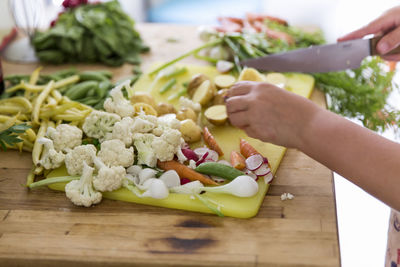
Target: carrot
[
  {"x": 392, "y": 65},
  {"x": 246, "y": 149},
  {"x": 184, "y": 171},
  {"x": 209, "y": 139},
  {"x": 237, "y": 160}
]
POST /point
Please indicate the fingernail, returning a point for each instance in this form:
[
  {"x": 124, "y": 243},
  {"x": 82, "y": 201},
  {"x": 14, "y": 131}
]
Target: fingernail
[
  {"x": 383, "y": 48},
  {"x": 225, "y": 98}
]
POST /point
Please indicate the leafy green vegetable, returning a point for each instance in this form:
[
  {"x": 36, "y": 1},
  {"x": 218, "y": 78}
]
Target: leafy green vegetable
[
  {"x": 10, "y": 136},
  {"x": 362, "y": 93},
  {"x": 99, "y": 32}
]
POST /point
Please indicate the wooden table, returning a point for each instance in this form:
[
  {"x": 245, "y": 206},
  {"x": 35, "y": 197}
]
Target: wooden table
[{"x": 43, "y": 228}]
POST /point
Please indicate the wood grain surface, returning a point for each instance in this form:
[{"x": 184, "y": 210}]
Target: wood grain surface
[{"x": 42, "y": 228}]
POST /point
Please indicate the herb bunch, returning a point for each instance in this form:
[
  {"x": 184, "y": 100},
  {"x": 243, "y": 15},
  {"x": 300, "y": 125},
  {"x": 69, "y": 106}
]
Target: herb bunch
[{"x": 10, "y": 136}]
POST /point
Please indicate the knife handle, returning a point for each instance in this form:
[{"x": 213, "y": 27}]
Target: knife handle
[{"x": 374, "y": 41}]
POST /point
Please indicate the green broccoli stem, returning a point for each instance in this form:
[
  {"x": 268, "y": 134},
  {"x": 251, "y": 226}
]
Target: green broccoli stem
[
  {"x": 53, "y": 180},
  {"x": 191, "y": 52}
]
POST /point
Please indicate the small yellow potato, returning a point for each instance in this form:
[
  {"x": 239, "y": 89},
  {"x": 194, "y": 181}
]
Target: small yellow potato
[{"x": 217, "y": 114}]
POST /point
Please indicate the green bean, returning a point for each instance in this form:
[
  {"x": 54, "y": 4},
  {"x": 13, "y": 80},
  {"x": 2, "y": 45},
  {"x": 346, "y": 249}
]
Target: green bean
[
  {"x": 79, "y": 90},
  {"x": 168, "y": 85},
  {"x": 103, "y": 88},
  {"x": 219, "y": 169},
  {"x": 92, "y": 76}
]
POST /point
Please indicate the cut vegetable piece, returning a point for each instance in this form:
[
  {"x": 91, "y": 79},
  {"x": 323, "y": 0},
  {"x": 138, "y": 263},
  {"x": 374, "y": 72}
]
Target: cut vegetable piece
[
  {"x": 200, "y": 151},
  {"x": 210, "y": 141},
  {"x": 268, "y": 178},
  {"x": 165, "y": 108},
  {"x": 204, "y": 93},
  {"x": 185, "y": 172},
  {"x": 195, "y": 83},
  {"x": 246, "y": 149},
  {"x": 146, "y": 108},
  {"x": 186, "y": 113},
  {"x": 190, "y": 154},
  {"x": 276, "y": 78},
  {"x": 254, "y": 162},
  {"x": 217, "y": 114},
  {"x": 224, "y": 66},
  {"x": 250, "y": 74},
  {"x": 262, "y": 170},
  {"x": 190, "y": 131},
  {"x": 237, "y": 160},
  {"x": 219, "y": 98},
  {"x": 224, "y": 81},
  {"x": 218, "y": 169},
  {"x": 143, "y": 97}
]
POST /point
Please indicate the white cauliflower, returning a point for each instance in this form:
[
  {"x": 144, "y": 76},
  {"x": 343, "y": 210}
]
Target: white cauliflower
[
  {"x": 173, "y": 137},
  {"x": 51, "y": 159},
  {"x": 123, "y": 131},
  {"x": 108, "y": 178},
  {"x": 162, "y": 149},
  {"x": 114, "y": 153},
  {"x": 81, "y": 192},
  {"x": 167, "y": 121},
  {"x": 143, "y": 125},
  {"x": 65, "y": 137},
  {"x": 188, "y": 103},
  {"x": 143, "y": 144},
  {"x": 99, "y": 124},
  {"x": 76, "y": 158},
  {"x": 117, "y": 102}
]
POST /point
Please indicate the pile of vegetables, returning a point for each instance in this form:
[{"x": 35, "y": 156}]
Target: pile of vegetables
[
  {"x": 361, "y": 94},
  {"x": 135, "y": 144},
  {"x": 83, "y": 32}
]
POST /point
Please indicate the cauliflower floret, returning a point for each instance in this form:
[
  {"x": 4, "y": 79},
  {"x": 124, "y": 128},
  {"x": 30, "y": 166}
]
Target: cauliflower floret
[
  {"x": 114, "y": 153},
  {"x": 65, "y": 137},
  {"x": 108, "y": 178},
  {"x": 76, "y": 158},
  {"x": 142, "y": 125},
  {"x": 123, "y": 131},
  {"x": 143, "y": 144},
  {"x": 99, "y": 124},
  {"x": 173, "y": 137},
  {"x": 117, "y": 102},
  {"x": 81, "y": 192},
  {"x": 162, "y": 149},
  {"x": 188, "y": 103},
  {"x": 166, "y": 122},
  {"x": 51, "y": 159}
]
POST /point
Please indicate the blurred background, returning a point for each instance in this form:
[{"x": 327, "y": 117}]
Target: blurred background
[{"x": 362, "y": 220}]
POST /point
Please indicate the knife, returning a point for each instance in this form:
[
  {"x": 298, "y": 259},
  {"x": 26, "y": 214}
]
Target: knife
[{"x": 320, "y": 58}]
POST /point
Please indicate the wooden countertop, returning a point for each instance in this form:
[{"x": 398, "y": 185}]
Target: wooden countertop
[{"x": 42, "y": 227}]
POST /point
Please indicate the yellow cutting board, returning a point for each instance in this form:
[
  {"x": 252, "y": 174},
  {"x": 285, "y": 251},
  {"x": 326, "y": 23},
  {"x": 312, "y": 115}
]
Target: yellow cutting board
[{"x": 227, "y": 137}]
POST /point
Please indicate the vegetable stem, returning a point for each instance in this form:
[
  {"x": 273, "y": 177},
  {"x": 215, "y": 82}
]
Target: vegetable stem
[{"x": 53, "y": 180}]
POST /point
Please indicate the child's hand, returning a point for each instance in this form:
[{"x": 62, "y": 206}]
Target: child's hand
[{"x": 269, "y": 113}]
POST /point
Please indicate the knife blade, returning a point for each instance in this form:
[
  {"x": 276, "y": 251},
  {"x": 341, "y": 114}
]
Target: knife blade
[{"x": 321, "y": 58}]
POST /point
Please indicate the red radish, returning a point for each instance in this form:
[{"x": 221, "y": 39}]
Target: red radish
[
  {"x": 190, "y": 154},
  {"x": 185, "y": 181},
  {"x": 254, "y": 162},
  {"x": 212, "y": 155},
  {"x": 203, "y": 159},
  {"x": 265, "y": 160},
  {"x": 262, "y": 170},
  {"x": 268, "y": 178},
  {"x": 200, "y": 151}
]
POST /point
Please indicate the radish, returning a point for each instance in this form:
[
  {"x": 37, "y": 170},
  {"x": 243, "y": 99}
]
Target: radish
[
  {"x": 200, "y": 151},
  {"x": 170, "y": 178},
  {"x": 241, "y": 186},
  {"x": 190, "y": 154},
  {"x": 212, "y": 155},
  {"x": 262, "y": 170},
  {"x": 203, "y": 159},
  {"x": 268, "y": 178},
  {"x": 254, "y": 162}
]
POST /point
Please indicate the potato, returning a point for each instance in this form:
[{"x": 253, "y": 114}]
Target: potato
[
  {"x": 250, "y": 74},
  {"x": 186, "y": 113},
  {"x": 195, "y": 83},
  {"x": 204, "y": 93},
  {"x": 146, "y": 108},
  {"x": 217, "y": 114},
  {"x": 143, "y": 97},
  {"x": 219, "y": 97},
  {"x": 190, "y": 131},
  {"x": 276, "y": 78},
  {"x": 224, "y": 81},
  {"x": 165, "y": 108}
]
